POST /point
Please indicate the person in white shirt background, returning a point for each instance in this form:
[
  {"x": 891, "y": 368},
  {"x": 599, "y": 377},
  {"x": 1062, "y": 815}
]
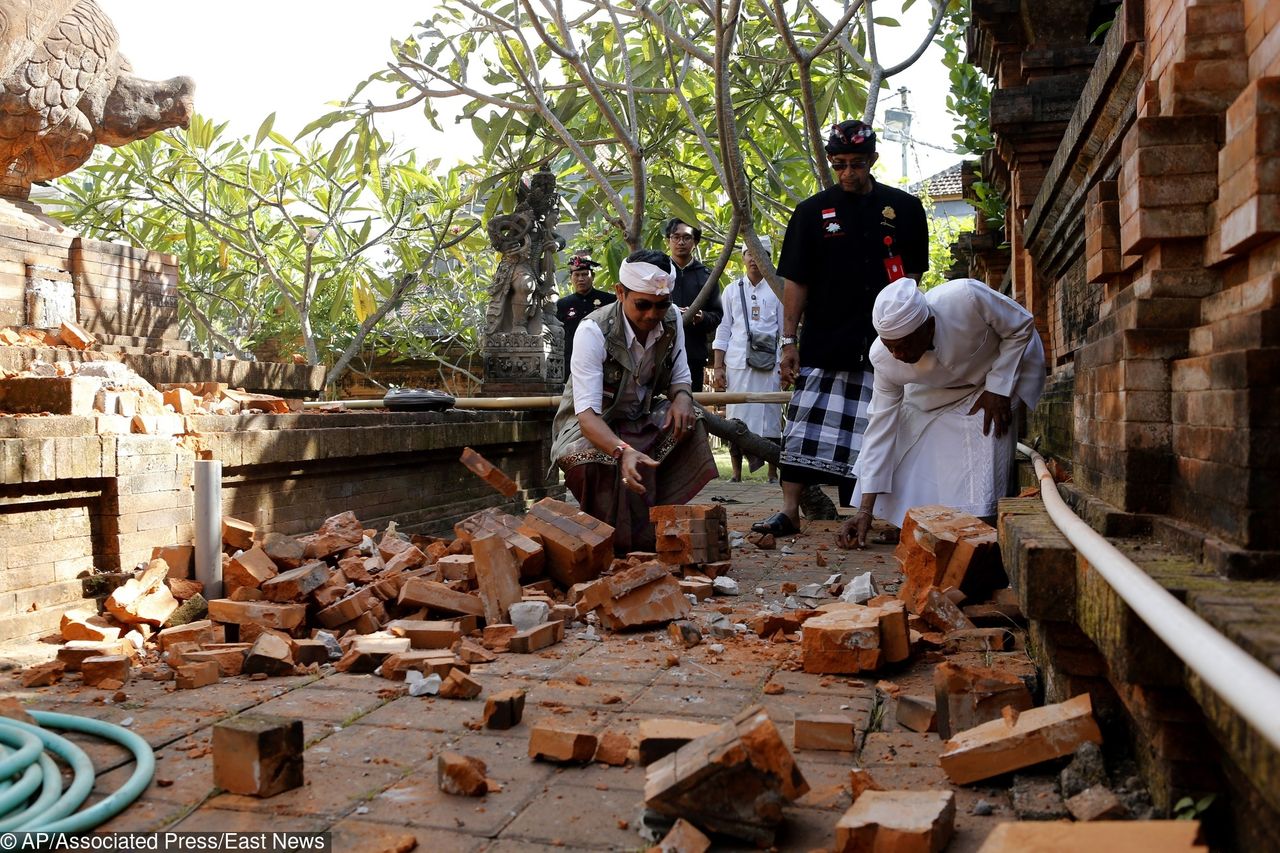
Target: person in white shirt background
[{"x": 750, "y": 308}]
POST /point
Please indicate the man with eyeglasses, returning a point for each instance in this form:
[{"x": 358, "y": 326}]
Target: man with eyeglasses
[
  {"x": 842, "y": 247},
  {"x": 622, "y": 449},
  {"x": 691, "y": 275}
]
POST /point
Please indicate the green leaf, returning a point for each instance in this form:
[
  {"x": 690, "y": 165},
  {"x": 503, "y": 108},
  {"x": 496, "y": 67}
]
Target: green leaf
[
  {"x": 886, "y": 22},
  {"x": 264, "y": 129}
]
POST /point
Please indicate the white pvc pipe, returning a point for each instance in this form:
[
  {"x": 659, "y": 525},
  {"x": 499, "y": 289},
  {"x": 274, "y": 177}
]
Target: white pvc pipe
[
  {"x": 1245, "y": 684},
  {"x": 208, "y": 518}
]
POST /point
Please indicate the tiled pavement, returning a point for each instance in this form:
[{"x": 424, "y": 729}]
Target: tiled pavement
[{"x": 370, "y": 765}]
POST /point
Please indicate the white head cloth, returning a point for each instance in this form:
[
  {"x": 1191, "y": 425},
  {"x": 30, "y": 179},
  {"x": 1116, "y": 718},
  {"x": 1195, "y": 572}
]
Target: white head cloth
[
  {"x": 765, "y": 243},
  {"x": 644, "y": 277},
  {"x": 900, "y": 309}
]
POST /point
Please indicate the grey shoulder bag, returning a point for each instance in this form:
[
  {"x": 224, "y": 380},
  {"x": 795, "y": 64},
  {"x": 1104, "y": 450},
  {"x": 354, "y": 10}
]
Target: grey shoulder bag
[{"x": 762, "y": 349}]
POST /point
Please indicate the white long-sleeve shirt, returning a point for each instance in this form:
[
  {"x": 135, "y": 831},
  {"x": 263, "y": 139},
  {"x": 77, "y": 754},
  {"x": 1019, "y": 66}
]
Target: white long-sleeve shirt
[
  {"x": 587, "y": 365},
  {"x": 731, "y": 334}
]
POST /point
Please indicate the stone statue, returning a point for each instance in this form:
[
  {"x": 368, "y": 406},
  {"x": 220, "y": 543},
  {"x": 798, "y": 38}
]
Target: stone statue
[
  {"x": 64, "y": 87},
  {"x": 523, "y": 341}
]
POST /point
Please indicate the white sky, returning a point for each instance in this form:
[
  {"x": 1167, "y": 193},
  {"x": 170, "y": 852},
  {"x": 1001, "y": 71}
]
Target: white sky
[{"x": 291, "y": 57}]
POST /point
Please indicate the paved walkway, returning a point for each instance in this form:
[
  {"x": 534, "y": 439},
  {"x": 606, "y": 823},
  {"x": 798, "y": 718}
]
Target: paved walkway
[{"x": 370, "y": 768}]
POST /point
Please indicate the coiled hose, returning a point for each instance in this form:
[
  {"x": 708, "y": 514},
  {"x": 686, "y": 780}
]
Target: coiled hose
[{"x": 25, "y": 766}]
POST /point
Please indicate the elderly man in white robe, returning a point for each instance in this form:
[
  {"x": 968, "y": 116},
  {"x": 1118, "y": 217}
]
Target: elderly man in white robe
[
  {"x": 751, "y": 312},
  {"x": 952, "y": 366}
]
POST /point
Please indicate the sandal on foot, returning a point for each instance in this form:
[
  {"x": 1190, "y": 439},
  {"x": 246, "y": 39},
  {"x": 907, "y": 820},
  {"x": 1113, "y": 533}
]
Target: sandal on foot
[{"x": 779, "y": 524}]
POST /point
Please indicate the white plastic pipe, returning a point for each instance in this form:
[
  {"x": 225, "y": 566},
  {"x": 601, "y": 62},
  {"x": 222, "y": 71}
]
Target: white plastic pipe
[
  {"x": 208, "y": 518},
  {"x": 1248, "y": 686}
]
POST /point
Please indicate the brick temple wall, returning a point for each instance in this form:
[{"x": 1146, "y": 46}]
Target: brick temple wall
[{"x": 74, "y": 501}]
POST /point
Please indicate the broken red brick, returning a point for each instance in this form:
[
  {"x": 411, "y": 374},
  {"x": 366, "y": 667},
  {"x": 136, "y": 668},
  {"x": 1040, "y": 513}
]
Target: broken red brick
[
  {"x": 459, "y": 685},
  {"x": 497, "y": 577},
  {"x": 917, "y": 713},
  {"x": 613, "y": 749},
  {"x": 248, "y": 570},
  {"x": 497, "y": 638},
  {"x": 283, "y": 617},
  {"x": 1007, "y": 744},
  {"x": 552, "y": 741},
  {"x": 691, "y": 782},
  {"x": 284, "y": 551},
  {"x": 271, "y": 653},
  {"x": 105, "y": 668},
  {"x": 238, "y": 534},
  {"x": 861, "y": 781},
  {"x": 539, "y": 637},
  {"x": 526, "y": 545},
  {"x": 179, "y": 559},
  {"x": 659, "y": 737},
  {"x": 144, "y": 598},
  {"x": 942, "y": 547},
  {"x": 578, "y": 547},
  {"x": 1138, "y": 836},
  {"x": 826, "y": 731},
  {"x": 1097, "y": 802},
  {"x": 843, "y": 641},
  {"x": 417, "y": 592},
  {"x": 190, "y": 676},
  {"x": 257, "y": 756},
  {"x": 294, "y": 584},
  {"x": 424, "y": 634},
  {"x": 201, "y": 632},
  {"x": 487, "y": 471},
  {"x": 83, "y": 625},
  {"x": 338, "y": 533},
  {"x": 504, "y": 710},
  {"x": 967, "y": 696},
  {"x": 461, "y": 775},
  {"x": 76, "y": 336},
  {"x": 897, "y": 821}
]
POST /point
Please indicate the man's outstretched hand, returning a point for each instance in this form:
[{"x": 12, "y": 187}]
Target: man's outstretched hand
[
  {"x": 630, "y": 464},
  {"x": 853, "y": 532},
  {"x": 995, "y": 410}
]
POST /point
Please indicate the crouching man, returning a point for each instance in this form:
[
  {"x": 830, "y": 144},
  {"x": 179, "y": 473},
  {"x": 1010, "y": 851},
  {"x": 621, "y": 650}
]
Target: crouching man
[
  {"x": 952, "y": 366},
  {"x": 621, "y": 447}
]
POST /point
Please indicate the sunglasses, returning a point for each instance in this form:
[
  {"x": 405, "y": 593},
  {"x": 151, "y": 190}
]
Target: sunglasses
[
  {"x": 849, "y": 165},
  {"x": 650, "y": 305}
]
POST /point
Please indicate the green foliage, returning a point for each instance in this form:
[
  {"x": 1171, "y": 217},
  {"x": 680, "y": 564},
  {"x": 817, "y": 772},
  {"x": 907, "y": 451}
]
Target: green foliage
[
  {"x": 1189, "y": 808},
  {"x": 295, "y": 243}
]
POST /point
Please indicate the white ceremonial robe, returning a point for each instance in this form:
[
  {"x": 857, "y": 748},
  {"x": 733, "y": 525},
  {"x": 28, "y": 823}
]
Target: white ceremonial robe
[
  {"x": 921, "y": 445},
  {"x": 764, "y": 419}
]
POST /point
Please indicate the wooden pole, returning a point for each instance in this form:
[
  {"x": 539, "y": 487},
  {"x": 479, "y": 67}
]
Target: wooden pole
[{"x": 705, "y": 398}]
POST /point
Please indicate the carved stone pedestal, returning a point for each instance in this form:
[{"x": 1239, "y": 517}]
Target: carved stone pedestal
[{"x": 520, "y": 364}]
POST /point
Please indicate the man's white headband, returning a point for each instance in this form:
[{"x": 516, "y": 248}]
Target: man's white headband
[
  {"x": 644, "y": 277},
  {"x": 900, "y": 309}
]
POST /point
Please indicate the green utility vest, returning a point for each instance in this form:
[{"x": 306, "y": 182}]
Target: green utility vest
[{"x": 618, "y": 371}]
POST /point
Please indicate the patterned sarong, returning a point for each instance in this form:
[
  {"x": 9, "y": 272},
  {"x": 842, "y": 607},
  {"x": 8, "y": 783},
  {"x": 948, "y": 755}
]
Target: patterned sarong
[
  {"x": 825, "y": 421},
  {"x": 595, "y": 479}
]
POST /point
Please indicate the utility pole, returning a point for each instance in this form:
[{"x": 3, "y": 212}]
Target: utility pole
[{"x": 897, "y": 127}]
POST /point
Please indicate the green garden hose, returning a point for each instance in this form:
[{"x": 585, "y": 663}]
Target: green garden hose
[{"x": 54, "y": 810}]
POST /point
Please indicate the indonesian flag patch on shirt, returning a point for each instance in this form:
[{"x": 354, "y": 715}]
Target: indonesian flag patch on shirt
[{"x": 829, "y": 213}]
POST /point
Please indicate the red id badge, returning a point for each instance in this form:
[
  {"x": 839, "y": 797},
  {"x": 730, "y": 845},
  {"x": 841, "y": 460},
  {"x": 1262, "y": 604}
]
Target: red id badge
[{"x": 893, "y": 266}]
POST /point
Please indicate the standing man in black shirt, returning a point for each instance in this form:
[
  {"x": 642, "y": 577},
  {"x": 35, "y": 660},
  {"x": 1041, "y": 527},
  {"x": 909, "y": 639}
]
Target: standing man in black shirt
[
  {"x": 585, "y": 298},
  {"x": 691, "y": 275},
  {"x": 842, "y": 247}
]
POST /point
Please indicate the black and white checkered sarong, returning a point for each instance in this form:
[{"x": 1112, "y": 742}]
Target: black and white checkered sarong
[{"x": 826, "y": 418}]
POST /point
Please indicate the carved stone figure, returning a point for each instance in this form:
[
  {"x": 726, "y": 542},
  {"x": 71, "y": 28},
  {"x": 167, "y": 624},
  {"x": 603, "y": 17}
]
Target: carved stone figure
[
  {"x": 65, "y": 87},
  {"x": 523, "y": 340}
]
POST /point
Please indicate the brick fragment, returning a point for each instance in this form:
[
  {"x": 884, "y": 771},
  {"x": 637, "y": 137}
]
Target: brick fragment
[
  {"x": 76, "y": 336},
  {"x": 659, "y": 736},
  {"x": 461, "y": 775},
  {"x": 843, "y": 641},
  {"x": 257, "y": 756},
  {"x": 526, "y": 545},
  {"x": 497, "y": 577},
  {"x": 83, "y": 625},
  {"x": 1138, "y": 836},
  {"x": 179, "y": 559},
  {"x": 337, "y": 534},
  {"x": 939, "y": 611},
  {"x": 144, "y": 599},
  {"x": 613, "y": 749},
  {"x": 978, "y": 640},
  {"x": 534, "y": 639},
  {"x": 184, "y": 589},
  {"x": 271, "y": 653},
  {"x": 683, "y": 837},
  {"x": 1020, "y": 740},
  {"x": 459, "y": 685},
  {"x": 487, "y": 471},
  {"x": 347, "y": 608},
  {"x": 917, "y": 713},
  {"x": 898, "y": 821},
  {"x": 497, "y": 638},
  {"x": 228, "y": 656},
  {"x": 96, "y": 670},
  {"x": 436, "y": 596},
  {"x": 457, "y": 567},
  {"x": 248, "y": 569},
  {"x": 691, "y": 782},
  {"x": 1096, "y": 803},
  {"x": 942, "y": 547},
  {"x": 74, "y": 652},
  {"x": 190, "y": 676},
  {"x": 967, "y": 696},
  {"x": 550, "y": 740},
  {"x": 504, "y": 710},
  {"x": 284, "y": 617},
  {"x": 284, "y": 551},
  {"x": 237, "y": 533},
  {"x": 295, "y": 584},
  {"x": 199, "y": 632},
  {"x": 406, "y": 560},
  {"x": 861, "y": 781},
  {"x": 826, "y": 731},
  {"x": 428, "y": 662},
  {"x": 425, "y": 634},
  {"x": 577, "y": 546},
  {"x": 472, "y": 652}
]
